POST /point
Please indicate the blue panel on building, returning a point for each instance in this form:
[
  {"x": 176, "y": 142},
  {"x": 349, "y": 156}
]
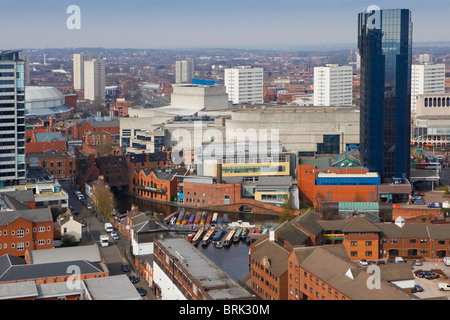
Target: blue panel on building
[
  {"x": 203, "y": 82},
  {"x": 348, "y": 181}
]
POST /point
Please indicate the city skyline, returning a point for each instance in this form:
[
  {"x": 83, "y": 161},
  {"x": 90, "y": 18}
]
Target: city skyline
[{"x": 204, "y": 24}]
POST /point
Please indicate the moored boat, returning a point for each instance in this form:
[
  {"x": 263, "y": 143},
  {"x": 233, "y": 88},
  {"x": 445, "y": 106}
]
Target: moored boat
[
  {"x": 225, "y": 218},
  {"x": 191, "y": 219},
  {"x": 208, "y": 236},
  {"x": 203, "y": 218},
  {"x": 229, "y": 238},
  {"x": 208, "y": 220},
  {"x": 198, "y": 215},
  {"x": 244, "y": 233},
  {"x": 214, "y": 219},
  {"x": 170, "y": 216},
  {"x": 180, "y": 217},
  {"x": 218, "y": 236},
  {"x": 198, "y": 236},
  {"x": 237, "y": 235}
]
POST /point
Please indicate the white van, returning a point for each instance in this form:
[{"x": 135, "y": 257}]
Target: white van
[
  {"x": 399, "y": 260},
  {"x": 446, "y": 261},
  {"x": 108, "y": 227},
  {"x": 443, "y": 286}
]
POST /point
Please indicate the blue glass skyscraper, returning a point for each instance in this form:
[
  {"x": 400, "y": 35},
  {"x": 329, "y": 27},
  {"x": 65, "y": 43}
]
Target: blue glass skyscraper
[
  {"x": 12, "y": 120},
  {"x": 385, "y": 48}
]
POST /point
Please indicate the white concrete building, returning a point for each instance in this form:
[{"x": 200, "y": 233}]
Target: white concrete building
[
  {"x": 426, "y": 78},
  {"x": 206, "y": 97},
  {"x": 184, "y": 71},
  {"x": 94, "y": 79},
  {"x": 78, "y": 68},
  {"x": 244, "y": 84},
  {"x": 333, "y": 85}
]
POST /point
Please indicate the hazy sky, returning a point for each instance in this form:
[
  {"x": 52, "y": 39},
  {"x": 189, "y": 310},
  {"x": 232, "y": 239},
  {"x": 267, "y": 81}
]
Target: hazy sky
[{"x": 203, "y": 23}]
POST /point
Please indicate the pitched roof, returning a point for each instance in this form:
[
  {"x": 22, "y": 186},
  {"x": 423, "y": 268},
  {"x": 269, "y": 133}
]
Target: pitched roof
[
  {"x": 18, "y": 272},
  {"x": 275, "y": 253},
  {"x": 349, "y": 278},
  {"x": 89, "y": 253},
  {"x": 35, "y": 215}
]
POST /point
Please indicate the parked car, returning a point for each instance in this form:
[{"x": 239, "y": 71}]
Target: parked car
[
  {"x": 114, "y": 235},
  {"x": 141, "y": 291},
  {"x": 417, "y": 262},
  {"x": 363, "y": 262},
  {"x": 435, "y": 205},
  {"x": 416, "y": 288},
  {"x": 133, "y": 279},
  {"x": 125, "y": 267},
  {"x": 418, "y": 202}
]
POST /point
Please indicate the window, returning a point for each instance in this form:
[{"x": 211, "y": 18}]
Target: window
[
  {"x": 20, "y": 246},
  {"x": 20, "y": 233},
  {"x": 368, "y": 243}
]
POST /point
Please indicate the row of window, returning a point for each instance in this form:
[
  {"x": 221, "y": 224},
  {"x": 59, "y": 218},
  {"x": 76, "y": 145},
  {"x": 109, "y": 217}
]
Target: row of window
[
  {"x": 21, "y": 246},
  {"x": 437, "y": 102},
  {"x": 20, "y": 233}
]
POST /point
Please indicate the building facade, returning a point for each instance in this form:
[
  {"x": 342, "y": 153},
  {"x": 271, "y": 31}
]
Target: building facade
[
  {"x": 426, "y": 78},
  {"x": 12, "y": 124},
  {"x": 184, "y": 71},
  {"x": 78, "y": 68},
  {"x": 333, "y": 85},
  {"x": 385, "y": 103},
  {"x": 94, "y": 80},
  {"x": 244, "y": 84}
]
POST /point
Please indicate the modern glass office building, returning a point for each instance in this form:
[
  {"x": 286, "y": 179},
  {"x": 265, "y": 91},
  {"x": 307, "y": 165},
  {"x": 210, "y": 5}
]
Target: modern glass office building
[
  {"x": 385, "y": 47},
  {"x": 12, "y": 119}
]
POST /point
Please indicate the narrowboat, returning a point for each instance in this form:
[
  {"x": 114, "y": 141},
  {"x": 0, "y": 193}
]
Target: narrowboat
[
  {"x": 198, "y": 236},
  {"x": 191, "y": 219},
  {"x": 214, "y": 219},
  {"x": 225, "y": 219},
  {"x": 218, "y": 236},
  {"x": 203, "y": 218},
  {"x": 170, "y": 216},
  {"x": 208, "y": 220},
  {"x": 229, "y": 238},
  {"x": 237, "y": 235},
  {"x": 208, "y": 236},
  {"x": 197, "y": 218},
  {"x": 180, "y": 217}
]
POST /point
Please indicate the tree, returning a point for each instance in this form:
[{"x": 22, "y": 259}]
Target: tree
[
  {"x": 103, "y": 199},
  {"x": 68, "y": 240},
  {"x": 288, "y": 212}
]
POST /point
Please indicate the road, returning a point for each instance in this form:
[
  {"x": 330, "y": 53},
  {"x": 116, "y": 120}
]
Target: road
[{"x": 115, "y": 254}]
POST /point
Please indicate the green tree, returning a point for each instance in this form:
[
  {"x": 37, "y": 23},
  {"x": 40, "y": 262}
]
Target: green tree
[
  {"x": 103, "y": 199},
  {"x": 68, "y": 240},
  {"x": 288, "y": 212}
]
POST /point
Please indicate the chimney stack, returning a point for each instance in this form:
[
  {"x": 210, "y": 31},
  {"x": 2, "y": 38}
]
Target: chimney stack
[{"x": 219, "y": 173}]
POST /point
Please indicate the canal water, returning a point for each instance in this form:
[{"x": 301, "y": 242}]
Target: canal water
[{"x": 232, "y": 260}]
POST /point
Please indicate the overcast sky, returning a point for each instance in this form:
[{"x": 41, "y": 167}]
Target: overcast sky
[{"x": 204, "y": 23}]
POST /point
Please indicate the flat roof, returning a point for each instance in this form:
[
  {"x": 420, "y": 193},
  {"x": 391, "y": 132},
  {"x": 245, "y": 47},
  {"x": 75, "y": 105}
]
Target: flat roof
[{"x": 213, "y": 279}]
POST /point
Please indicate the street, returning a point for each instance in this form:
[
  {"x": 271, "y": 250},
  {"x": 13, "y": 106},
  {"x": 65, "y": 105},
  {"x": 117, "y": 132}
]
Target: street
[{"x": 113, "y": 255}]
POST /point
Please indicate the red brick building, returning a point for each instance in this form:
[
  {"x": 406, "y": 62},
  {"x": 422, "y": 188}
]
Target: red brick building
[
  {"x": 60, "y": 165},
  {"x": 155, "y": 184},
  {"x": 84, "y": 127},
  {"x": 43, "y": 141},
  {"x": 23, "y": 230}
]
